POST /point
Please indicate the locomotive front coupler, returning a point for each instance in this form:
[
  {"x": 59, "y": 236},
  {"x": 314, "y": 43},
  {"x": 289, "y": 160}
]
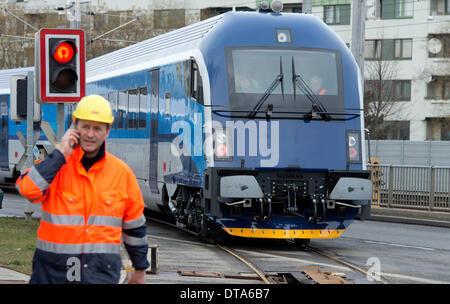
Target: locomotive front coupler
[
  {"x": 315, "y": 202},
  {"x": 261, "y": 217}
]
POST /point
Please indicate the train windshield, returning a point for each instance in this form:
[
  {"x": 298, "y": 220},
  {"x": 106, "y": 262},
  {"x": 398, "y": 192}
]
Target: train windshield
[{"x": 253, "y": 71}]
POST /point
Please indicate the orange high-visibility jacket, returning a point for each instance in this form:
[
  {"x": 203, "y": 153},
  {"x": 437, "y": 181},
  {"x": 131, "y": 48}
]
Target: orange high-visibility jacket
[{"x": 85, "y": 212}]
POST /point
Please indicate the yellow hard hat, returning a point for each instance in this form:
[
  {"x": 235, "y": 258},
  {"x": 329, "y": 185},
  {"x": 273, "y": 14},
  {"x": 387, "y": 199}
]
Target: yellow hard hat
[{"x": 94, "y": 108}]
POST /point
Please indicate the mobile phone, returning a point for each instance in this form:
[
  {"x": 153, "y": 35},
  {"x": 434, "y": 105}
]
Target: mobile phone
[{"x": 72, "y": 142}]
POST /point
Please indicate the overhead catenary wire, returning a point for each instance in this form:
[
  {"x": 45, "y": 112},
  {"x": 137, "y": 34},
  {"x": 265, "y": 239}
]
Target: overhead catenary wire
[
  {"x": 7, "y": 11},
  {"x": 114, "y": 29}
]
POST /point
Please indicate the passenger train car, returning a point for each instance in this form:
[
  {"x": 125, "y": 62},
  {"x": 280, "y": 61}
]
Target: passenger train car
[
  {"x": 247, "y": 123},
  {"x": 11, "y": 149}
]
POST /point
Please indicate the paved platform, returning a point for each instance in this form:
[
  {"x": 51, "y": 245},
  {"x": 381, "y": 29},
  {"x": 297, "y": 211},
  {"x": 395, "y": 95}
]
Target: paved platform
[{"x": 8, "y": 276}]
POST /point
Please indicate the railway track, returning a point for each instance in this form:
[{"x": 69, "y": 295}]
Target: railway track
[
  {"x": 349, "y": 265},
  {"x": 315, "y": 274}
]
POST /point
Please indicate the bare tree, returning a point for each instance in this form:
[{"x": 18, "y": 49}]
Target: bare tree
[
  {"x": 13, "y": 33},
  {"x": 380, "y": 96}
]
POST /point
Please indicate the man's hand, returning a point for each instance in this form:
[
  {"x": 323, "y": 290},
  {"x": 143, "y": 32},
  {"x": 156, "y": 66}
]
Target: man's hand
[
  {"x": 137, "y": 277},
  {"x": 69, "y": 141}
]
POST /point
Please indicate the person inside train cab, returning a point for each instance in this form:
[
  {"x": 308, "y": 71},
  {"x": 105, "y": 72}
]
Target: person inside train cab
[
  {"x": 90, "y": 201},
  {"x": 245, "y": 81},
  {"x": 316, "y": 85}
]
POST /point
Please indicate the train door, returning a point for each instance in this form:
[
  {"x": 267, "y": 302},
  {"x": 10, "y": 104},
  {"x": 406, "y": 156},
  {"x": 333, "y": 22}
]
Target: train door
[
  {"x": 4, "y": 163},
  {"x": 154, "y": 118}
]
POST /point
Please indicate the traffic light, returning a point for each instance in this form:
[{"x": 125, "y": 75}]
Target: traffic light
[
  {"x": 18, "y": 100},
  {"x": 60, "y": 66}
]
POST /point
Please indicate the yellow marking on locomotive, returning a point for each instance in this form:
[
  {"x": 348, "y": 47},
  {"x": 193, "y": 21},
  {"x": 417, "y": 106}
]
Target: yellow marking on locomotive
[{"x": 285, "y": 234}]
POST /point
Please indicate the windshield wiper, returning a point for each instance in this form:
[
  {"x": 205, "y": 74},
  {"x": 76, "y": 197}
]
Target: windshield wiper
[
  {"x": 317, "y": 106},
  {"x": 272, "y": 87}
]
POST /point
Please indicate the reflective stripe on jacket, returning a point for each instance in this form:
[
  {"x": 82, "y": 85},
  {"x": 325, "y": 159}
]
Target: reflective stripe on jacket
[{"x": 86, "y": 212}]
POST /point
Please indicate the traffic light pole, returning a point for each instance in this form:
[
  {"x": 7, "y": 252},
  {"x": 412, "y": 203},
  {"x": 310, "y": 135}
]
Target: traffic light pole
[
  {"x": 75, "y": 20},
  {"x": 59, "y": 121},
  {"x": 30, "y": 136}
]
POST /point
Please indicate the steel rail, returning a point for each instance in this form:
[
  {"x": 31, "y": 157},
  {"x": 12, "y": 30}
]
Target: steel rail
[
  {"x": 246, "y": 262},
  {"x": 260, "y": 274},
  {"x": 319, "y": 252}
]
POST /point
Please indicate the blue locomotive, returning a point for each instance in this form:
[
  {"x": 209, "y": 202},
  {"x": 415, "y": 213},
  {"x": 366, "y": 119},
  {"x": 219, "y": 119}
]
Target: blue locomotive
[{"x": 248, "y": 123}]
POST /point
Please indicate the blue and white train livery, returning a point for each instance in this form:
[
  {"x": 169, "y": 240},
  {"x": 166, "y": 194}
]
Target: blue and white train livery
[{"x": 246, "y": 123}]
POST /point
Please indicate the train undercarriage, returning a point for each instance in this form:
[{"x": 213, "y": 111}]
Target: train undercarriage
[{"x": 249, "y": 201}]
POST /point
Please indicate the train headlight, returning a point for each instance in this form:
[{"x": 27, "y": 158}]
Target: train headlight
[
  {"x": 283, "y": 35},
  {"x": 354, "y": 147},
  {"x": 222, "y": 145}
]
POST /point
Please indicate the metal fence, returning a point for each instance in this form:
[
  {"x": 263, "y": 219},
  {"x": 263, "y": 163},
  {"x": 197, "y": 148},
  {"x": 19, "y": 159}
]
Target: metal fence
[
  {"x": 414, "y": 187},
  {"x": 411, "y": 153}
]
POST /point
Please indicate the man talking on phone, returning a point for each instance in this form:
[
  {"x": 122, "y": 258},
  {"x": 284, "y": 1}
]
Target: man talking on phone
[{"x": 90, "y": 200}]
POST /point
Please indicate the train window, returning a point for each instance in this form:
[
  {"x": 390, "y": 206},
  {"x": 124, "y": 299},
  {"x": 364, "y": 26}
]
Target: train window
[
  {"x": 197, "y": 85},
  {"x": 133, "y": 108},
  {"x": 193, "y": 81},
  {"x": 252, "y": 71},
  {"x": 122, "y": 110},
  {"x": 112, "y": 98},
  {"x": 143, "y": 109}
]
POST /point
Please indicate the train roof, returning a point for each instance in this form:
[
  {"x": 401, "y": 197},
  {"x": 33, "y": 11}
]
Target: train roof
[
  {"x": 5, "y": 77},
  {"x": 179, "y": 40},
  {"x": 230, "y": 26}
]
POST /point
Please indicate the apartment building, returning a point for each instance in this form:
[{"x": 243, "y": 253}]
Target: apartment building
[{"x": 407, "y": 41}]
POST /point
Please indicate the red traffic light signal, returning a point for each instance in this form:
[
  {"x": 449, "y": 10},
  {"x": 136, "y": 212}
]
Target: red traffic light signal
[
  {"x": 64, "y": 52},
  {"x": 60, "y": 66}
]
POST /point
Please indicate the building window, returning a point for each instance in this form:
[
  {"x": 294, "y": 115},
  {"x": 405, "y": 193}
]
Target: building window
[
  {"x": 397, "y": 130},
  {"x": 336, "y": 14},
  {"x": 445, "y": 129},
  {"x": 388, "y": 49},
  {"x": 392, "y": 9},
  {"x": 390, "y": 90},
  {"x": 439, "y": 88},
  {"x": 292, "y": 8},
  {"x": 403, "y": 48},
  {"x": 372, "y": 49},
  {"x": 392, "y": 49},
  {"x": 402, "y": 90},
  {"x": 439, "y": 7},
  {"x": 397, "y": 90},
  {"x": 404, "y": 8}
]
